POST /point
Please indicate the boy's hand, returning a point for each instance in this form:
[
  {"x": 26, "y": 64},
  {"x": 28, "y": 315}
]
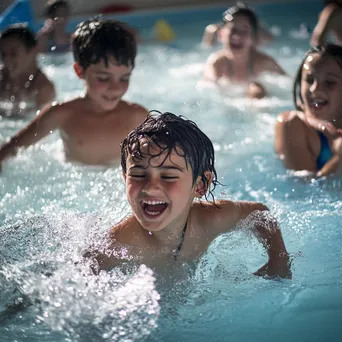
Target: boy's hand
[
  {"x": 279, "y": 266},
  {"x": 49, "y": 26}
]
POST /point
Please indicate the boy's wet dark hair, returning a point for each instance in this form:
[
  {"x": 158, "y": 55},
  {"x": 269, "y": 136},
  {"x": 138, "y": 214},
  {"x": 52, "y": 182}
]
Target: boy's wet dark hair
[
  {"x": 96, "y": 40},
  {"x": 328, "y": 2},
  {"x": 20, "y": 32},
  {"x": 52, "y": 6},
  {"x": 171, "y": 133},
  {"x": 241, "y": 9},
  {"x": 332, "y": 50}
]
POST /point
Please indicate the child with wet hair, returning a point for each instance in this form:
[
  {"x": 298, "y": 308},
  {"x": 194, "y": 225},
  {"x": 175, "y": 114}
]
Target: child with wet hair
[
  {"x": 168, "y": 162},
  {"x": 92, "y": 125},
  {"x": 329, "y": 21},
  {"x": 310, "y": 137},
  {"x": 24, "y": 88},
  {"x": 211, "y": 32},
  {"x": 53, "y": 37},
  {"x": 239, "y": 62}
]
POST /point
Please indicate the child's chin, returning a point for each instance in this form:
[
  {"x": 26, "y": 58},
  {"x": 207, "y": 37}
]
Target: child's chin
[{"x": 108, "y": 106}]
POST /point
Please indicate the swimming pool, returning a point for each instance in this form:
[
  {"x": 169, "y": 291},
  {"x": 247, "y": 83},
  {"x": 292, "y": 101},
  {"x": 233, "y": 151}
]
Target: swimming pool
[{"x": 52, "y": 211}]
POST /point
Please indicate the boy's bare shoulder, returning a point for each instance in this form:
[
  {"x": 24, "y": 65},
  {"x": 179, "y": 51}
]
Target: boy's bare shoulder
[
  {"x": 266, "y": 62},
  {"x": 136, "y": 112},
  {"x": 60, "y": 111},
  {"x": 46, "y": 91},
  {"x": 126, "y": 231},
  {"x": 135, "y": 108},
  {"x": 223, "y": 215},
  {"x": 228, "y": 208},
  {"x": 217, "y": 57},
  {"x": 44, "y": 81}
]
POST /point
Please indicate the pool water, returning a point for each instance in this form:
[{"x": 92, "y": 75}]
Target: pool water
[{"x": 51, "y": 212}]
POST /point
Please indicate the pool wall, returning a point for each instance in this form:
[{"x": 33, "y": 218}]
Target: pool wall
[{"x": 148, "y": 11}]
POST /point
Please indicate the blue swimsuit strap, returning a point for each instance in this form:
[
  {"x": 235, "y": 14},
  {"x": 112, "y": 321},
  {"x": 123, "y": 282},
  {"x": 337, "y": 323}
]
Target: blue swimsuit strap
[{"x": 325, "y": 152}]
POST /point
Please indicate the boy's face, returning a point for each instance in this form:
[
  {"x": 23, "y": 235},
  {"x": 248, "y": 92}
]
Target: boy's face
[
  {"x": 106, "y": 85},
  {"x": 60, "y": 17},
  {"x": 160, "y": 195},
  {"x": 237, "y": 35},
  {"x": 15, "y": 56},
  {"x": 321, "y": 87}
]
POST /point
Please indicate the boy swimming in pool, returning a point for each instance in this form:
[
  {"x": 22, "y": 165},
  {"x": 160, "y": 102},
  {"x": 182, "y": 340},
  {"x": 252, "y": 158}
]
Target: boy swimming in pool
[
  {"x": 310, "y": 137},
  {"x": 167, "y": 162},
  {"x": 53, "y": 36},
  {"x": 330, "y": 21},
  {"x": 24, "y": 88},
  {"x": 91, "y": 126},
  {"x": 240, "y": 62},
  {"x": 211, "y": 33}
]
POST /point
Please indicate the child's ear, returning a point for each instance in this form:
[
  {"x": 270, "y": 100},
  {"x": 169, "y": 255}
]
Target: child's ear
[
  {"x": 124, "y": 176},
  {"x": 78, "y": 70},
  {"x": 202, "y": 188}
]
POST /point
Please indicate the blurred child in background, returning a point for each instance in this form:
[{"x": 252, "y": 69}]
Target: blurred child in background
[{"x": 24, "y": 88}]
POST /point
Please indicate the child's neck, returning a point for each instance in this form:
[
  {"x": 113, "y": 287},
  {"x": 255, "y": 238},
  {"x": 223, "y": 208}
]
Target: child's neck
[
  {"x": 239, "y": 60},
  {"x": 26, "y": 75},
  {"x": 170, "y": 237}
]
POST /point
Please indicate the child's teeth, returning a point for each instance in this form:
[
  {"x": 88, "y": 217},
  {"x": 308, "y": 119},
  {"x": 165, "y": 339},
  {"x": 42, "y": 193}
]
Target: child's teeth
[{"x": 153, "y": 202}]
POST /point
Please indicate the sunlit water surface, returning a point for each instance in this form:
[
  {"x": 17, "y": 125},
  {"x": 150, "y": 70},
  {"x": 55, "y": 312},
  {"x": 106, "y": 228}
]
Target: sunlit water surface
[{"x": 51, "y": 212}]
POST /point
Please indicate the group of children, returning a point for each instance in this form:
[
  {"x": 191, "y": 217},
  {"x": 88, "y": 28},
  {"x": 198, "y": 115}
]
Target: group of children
[{"x": 167, "y": 161}]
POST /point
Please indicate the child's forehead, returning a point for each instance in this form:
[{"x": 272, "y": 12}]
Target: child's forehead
[
  {"x": 109, "y": 63},
  {"x": 155, "y": 155},
  {"x": 317, "y": 61},
  {"x": 11, "y": 43}
]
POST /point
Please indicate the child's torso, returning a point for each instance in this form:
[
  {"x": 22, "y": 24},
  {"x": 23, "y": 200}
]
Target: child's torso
[
  {"x": 18, "y": 98},
  {"x": 94, "y": 139}
]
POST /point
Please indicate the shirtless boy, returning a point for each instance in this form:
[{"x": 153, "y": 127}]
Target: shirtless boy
[{"x": 91, "y": 126}]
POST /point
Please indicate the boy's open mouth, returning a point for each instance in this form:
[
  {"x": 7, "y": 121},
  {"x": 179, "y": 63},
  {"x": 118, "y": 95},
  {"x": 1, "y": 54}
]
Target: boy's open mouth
[
  {"x": 318, "y": 103},
  {"x": 238, "y": 45},
  {"x": 153, "y": 208}
]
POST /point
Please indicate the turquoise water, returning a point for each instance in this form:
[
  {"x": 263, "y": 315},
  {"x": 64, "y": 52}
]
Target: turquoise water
[{"x": 50, "y": 212}]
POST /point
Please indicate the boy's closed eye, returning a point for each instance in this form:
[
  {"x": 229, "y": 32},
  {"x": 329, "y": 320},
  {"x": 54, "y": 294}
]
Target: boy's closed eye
[
  {"x": 169, "y": 177},
  {"x": 330, "y": 82},
  {"x": 102, "y": 79},
  {"x": 165, "y": 177},
  {"x": 124, "y": 79}
]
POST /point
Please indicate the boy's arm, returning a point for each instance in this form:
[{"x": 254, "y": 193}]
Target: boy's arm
[
  {"x": 212, "y": 70},
  {"x": 43, "y": 35},
  {"x": 46, "y": 94},
  {"x": 291, "y": 143},
  {"x": 325, "y": 21},
  {"x": 44, "y": 123},
  {"x": 270, "y": 65},
  {"x": 210, "y": 35},
  {"x": 229, "y": 216}
]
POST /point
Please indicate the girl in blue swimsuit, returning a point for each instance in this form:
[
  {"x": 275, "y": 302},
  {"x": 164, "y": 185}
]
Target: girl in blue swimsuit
[{"x": 310, "y": 138}]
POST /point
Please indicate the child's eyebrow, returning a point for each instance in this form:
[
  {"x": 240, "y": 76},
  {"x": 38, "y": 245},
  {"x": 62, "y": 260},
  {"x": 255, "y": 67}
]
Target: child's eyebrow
[
  {"x": 332, "y": 75},
  {"x": 164, "y": 167},
  {"x": 102, "y": 72},
  {"x": 172, "y": 167}
]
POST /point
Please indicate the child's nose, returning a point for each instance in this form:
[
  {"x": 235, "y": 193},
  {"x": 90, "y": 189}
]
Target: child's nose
[
  {"x": 315, "y": 86},
  {"x": 114, "y": 85},
  {"x": 151, "y": 186}
]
